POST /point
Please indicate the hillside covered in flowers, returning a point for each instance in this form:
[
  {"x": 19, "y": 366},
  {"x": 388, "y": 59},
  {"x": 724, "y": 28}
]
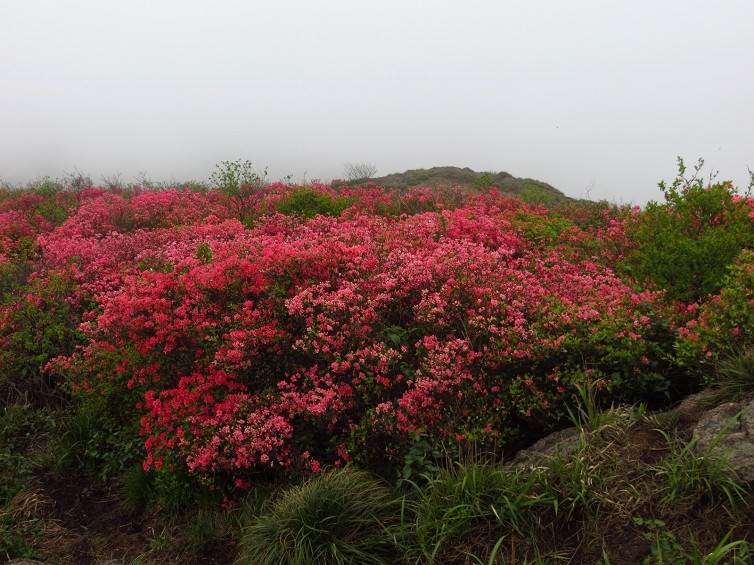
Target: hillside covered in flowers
[{"x": 224, "y": 339}]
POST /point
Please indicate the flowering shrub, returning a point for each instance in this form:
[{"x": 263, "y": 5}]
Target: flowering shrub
[
  {"x": 344, "y": 328},
  {"x": 302, "y": 342},
  {"x": 725, "y": 323}
]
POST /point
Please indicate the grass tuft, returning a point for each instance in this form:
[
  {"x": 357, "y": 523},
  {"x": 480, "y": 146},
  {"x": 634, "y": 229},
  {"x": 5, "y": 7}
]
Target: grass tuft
[
  {"x": 342, "y": 516},
  {"x": 688, "y": 476},
  {"x": 736, "y": 377}
]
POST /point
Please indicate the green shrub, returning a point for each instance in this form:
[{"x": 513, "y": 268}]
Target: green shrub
[
  {"x": 46, "y": 186},
  {"x": 53, "y": 211},
  {"x": 238, "y": 180},
  {"x": 137, "y": 489},
  {"x": 544, "y": 230},
  {"x": 484, "y": 180},
  {"x": 686, "y": 244},
  {"x": 97, "y": 442},
  {"x": 342, "y": 516},
  {"x": 666, "y": 549},
  {"x": 41, "y": 324},
  {"x": 309, "y": 203}
]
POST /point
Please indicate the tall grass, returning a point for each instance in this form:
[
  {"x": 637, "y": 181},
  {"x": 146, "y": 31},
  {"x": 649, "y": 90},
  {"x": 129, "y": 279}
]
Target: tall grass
[
  {"x": 736, "y": 377},
  {"x": 688, "y": 476},
  {"x": 342, "y": 516}
]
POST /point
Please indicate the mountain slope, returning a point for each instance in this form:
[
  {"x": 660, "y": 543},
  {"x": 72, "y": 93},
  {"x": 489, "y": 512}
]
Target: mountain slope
[{"x": 443, "y": 177}]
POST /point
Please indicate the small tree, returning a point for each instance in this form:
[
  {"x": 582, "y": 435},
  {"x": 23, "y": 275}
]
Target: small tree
[
  {"x": 112, "y": 181},
  {"x": 143, "y": 180},
  {"x": 77, "y": 181},
  {"x": 359, "y": 171},
  {"x": 237, "y": 180}
]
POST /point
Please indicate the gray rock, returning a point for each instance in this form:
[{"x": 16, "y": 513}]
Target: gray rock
[
  {"x": 693, "y": 407},
  {"x": 729, "y": 429},
  {"x": 560, "y": 443}
]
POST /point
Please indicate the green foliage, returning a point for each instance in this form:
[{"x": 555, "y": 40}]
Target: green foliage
[
  {"x": 544, "y": 230},
  {"x": 193, "y": 186},
  {"x": 13, "y": 544},
  {"x": 735, "y": 377},
  {"x": 24, "y": 432},
  {"x": 137, "y": 489},
  {"x": 98, "y": 442},
  {"x": 738, "y": 552},
  {"x": 342, "y": 516},
  {"x": 666, "y": 549},
  {"x": 472, "y": 499},
  {"x": 484, "y": 180},
  {"x": 14, "y": 274},
  {"x": 204, "y": 253},
  {"x": 686, "y": 244},
  {"x": 308, "y": 203},
  {"x": 237, "y": 179},
  {"x": 535, "y": 193},
  {"x": 420, "y": 458},
  {"x": 458, "y": 177},
  {"x": 46, "y": 186},
  {"x": 52, "y": 210},
  {"x": 587, "y": 416},
  {"x": 42, "y": 325},
  {"x": 724, "y": 325},
  {"x": 577, "y": 482}
]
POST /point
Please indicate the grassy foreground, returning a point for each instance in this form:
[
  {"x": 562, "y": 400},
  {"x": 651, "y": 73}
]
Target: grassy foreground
[{"x": 629, "y": 488}]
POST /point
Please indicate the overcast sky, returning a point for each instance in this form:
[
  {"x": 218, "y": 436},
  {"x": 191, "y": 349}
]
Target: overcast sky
[{"x": 589, "y": 95}]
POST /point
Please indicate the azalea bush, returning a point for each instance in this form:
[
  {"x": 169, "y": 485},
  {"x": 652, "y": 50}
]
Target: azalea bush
[
  {"x": 300, "y": 343},
  {"x": 324, "y": 326},
  {"x": 723, "y": 325}
]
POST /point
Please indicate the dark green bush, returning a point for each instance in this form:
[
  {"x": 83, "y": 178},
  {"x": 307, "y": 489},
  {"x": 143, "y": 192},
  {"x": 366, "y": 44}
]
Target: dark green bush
[
  {"x": 41, "y": 325},
  {"x": 309, "y": 203},
  {"x": 484, "y": 180},
  {"x": 342, "y": 516},
  {"x": 98, "y": 442},
  {"x": 24, "y": 432}
]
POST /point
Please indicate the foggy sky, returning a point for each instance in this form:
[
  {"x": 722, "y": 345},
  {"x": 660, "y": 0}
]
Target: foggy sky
[{"x": 591, "y": 96}]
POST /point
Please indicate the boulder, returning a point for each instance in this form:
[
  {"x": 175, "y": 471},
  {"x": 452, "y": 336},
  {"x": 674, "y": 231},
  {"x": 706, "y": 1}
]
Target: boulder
[
  {"x": 693, "y": 407},
  {"x": 729, "y": 429},
  {"x": 560, "y": 443}
]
